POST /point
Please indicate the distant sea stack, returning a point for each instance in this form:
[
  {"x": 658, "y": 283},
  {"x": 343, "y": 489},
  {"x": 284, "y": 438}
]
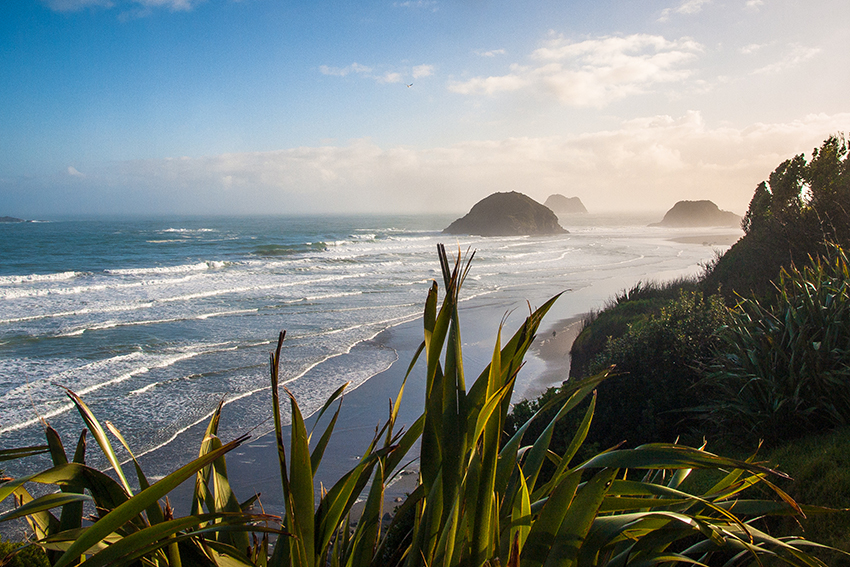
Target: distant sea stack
[
  {"x": 698, "y": 213},
  {"x": 507, "y": 214},
  {"x": 561, "y": 205}
]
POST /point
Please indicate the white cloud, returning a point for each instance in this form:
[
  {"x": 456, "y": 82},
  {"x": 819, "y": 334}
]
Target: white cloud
[
  {"x": 343, "y": 71},
  {"x": 647, "y": 163},
  {"x": 684, "y": 7},
  {"x": 752, "y": 48},
  {"x": 420, "y": 71},
  {"x": 754, "y": 4},
  {"x": 72, "y": 171},
  {"x": 387, "y": 77},
  {"x": 491, "y": 53},
  {"x": 593, "y": 72},
  {"x": 417, "y": 4},
  {"x": 797, "y": 55},
  {"x": 129, "y": 7},
  {"x": 174, "y": 5},
  {"x": 76, "y": 5}
]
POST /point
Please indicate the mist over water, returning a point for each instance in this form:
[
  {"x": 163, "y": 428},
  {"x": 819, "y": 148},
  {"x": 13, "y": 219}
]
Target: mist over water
[{"x": 154, "y": 322}]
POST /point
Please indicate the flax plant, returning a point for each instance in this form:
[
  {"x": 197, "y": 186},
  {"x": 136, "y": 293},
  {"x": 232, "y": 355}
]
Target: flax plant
[
  {"x": 479, "y": 501},
  {"x": 784, "y": 370}
]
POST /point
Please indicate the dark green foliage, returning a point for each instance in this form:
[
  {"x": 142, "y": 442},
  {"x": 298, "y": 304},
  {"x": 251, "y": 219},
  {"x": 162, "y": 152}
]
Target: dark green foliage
[
  {"x": 565, "y": 429},
  {"x": 30, "y": 556},
  {"x": 657, "y": 366},
  {"x": 784, "y": 371},
  {"x": 802, "y": 205},
  {"x": 641, "y": 301},
  {"x": 657, "y": 360},
  {"x": 820, "y": 468}
]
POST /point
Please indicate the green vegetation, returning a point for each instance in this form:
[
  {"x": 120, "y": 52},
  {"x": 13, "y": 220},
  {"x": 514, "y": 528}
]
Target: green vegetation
[
  {"x": 16, "y": 554},
  {"x": 480, "y": 500},
  {"x": 802, "y": 206},
  {"x": 773, "y": 366},
  {"x": 784, "y": 370},
  {"x": 819, "y": 465},
  {"x": 642, "y": 301}
]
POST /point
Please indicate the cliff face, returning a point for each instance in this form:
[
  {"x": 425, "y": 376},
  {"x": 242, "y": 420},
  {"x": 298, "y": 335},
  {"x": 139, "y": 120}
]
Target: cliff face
[
  {"x": 507, "y": 214},
  {"x": 698, "y": 213},
  {"x": 561, "y": 205}
]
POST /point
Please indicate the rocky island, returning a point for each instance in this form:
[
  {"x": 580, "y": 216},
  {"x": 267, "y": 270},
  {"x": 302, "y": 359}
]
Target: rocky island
[
  {"x": 561, "y": 205},
  {"x": 507, "y": 214},
  {"x": 12, "y": 219},
  {"x": 686, "y": 214}
]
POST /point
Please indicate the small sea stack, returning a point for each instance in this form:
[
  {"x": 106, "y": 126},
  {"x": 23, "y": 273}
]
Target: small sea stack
[
  {"x": 562, "y": 205},
  {"x": 685, "y": 214},
  {"x": 507, "y": 214}
]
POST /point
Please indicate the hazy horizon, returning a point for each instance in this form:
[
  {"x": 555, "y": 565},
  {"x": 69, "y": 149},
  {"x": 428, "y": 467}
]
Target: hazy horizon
[{"x": 152, "y": 107}]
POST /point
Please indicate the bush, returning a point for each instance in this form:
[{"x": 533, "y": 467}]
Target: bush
[
  {"x": 784, "y": 371},
  {"x": 643, "y": 300},
  {"x": 31, "y": 556},
  {"x": 657, "y": 365}
]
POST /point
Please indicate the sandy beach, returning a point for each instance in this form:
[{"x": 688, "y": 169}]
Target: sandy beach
[
  {"x": 710, "y": 239},
  {"x": 253, "y": 467}
]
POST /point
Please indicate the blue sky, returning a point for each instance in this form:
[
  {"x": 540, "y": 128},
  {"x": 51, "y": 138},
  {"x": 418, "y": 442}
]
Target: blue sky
[{"x": 261, "y": 106}]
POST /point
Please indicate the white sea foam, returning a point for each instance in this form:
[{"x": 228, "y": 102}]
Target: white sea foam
[
  {"x": 190, "y": 230},
  {"x": 39, "y": 278},
  {"x": 175, "y": 333},
  {"x": 200, "y": 266}
]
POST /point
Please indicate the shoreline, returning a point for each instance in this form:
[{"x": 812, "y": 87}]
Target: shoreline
[{"x": 254, "y": 467}]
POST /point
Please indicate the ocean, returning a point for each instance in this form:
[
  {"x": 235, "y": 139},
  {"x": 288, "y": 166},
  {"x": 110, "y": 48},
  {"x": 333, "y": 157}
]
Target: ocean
[{"x": 155, "y": 321}]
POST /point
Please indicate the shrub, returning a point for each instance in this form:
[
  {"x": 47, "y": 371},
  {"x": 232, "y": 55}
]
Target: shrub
[
  {"x": 784, "y": 371},
  {"x": 657, "y": 365},
  {"x": 14, "y": 554},
  {"x": 643, "y": 300}
]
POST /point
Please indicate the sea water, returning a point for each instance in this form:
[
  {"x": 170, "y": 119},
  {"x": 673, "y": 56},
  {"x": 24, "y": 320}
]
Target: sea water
[{"x": 154, "y": 322}]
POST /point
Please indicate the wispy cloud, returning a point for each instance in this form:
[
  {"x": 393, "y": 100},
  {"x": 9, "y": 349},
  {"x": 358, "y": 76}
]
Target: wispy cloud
[
  {"x": 684, "y": 7},
  {"x": 389, "y": 77},
  {"x": 417, "y": 4},
  {"x": 491, "y": 53},
  {"x": 422, "y": 71},
  {"x": 127, "y": 7},
  {"x": 73, "y": 172},
  {"x": 343, "y": 71},
  {"x": 797, "y": 55},
  {"x": 385, "y": 77},
  {"x": 646, "y": 163},
  {"x": 76, "y": 5},
  {"x": 752, "y": 48},
  {"x": 593, "y": 72}
]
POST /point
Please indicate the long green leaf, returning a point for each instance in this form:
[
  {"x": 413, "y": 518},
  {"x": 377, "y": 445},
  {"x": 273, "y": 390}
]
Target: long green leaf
[
  {"x": 21, "y": 452},
  {"x": 302, "y": 509},
  {"x": 46, "y": 502},
  {"x": 101, "y": 438},
  {"x": 135, "y": 505}
]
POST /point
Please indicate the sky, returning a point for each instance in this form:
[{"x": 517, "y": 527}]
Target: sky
[{"x": 146, "y": 107}]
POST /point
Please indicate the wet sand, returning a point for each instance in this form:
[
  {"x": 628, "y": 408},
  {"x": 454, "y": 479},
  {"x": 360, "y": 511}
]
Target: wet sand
[
  {"x": 253, "y": 467},
  {"x": 710, "y": 239}
]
